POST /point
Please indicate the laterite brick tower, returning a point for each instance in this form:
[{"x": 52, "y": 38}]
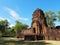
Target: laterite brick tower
[{"x": 39, "y": 25}]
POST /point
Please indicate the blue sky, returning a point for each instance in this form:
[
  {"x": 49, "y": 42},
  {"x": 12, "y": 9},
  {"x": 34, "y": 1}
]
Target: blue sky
[{"x": 22, "y": 9}]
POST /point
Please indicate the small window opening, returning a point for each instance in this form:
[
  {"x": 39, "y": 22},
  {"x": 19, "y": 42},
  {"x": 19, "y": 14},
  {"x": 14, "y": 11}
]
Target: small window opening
[{"x": 34, "y": 30}]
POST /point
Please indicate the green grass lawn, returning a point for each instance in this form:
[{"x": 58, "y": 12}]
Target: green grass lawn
[{"x": 20, "y": 41}]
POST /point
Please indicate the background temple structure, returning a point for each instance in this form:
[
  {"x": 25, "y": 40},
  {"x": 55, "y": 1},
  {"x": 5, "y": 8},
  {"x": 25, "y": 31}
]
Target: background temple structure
[{"x": 39, "y": 29}]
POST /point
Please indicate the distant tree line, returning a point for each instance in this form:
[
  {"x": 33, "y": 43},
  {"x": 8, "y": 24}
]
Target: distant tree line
[{"x": 5, "y": 30}]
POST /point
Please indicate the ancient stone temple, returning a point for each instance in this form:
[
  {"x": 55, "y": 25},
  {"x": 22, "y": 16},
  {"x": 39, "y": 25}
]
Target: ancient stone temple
[{"x": 39, "y": 29}]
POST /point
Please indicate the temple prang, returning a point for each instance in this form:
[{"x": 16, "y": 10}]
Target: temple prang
[{"x": 39, "y": 29}]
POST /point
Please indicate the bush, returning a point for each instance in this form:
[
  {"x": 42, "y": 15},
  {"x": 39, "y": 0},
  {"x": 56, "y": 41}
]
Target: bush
[{"x": 0, "y": 33}]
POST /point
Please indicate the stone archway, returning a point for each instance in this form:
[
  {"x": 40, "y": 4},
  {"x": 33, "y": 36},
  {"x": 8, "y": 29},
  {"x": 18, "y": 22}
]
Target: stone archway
[
  {"x": 37, "y": 27},
  {"x": 34, "y": 30}
]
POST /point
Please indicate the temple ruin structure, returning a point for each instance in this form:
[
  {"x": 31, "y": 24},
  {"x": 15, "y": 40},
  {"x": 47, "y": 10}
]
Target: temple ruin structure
[{"x": 39, "y": 29}]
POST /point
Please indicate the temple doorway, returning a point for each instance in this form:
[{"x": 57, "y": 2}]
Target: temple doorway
[{"x": 34, "y": 30}]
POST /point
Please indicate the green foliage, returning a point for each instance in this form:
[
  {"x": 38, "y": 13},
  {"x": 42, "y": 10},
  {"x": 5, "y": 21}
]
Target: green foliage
[
  {"x": 19, "y": 26},
  {"x": 10, "y": 32},
  {"x": 50, "y": 18},
  {"x": 58, "y": 14},
  {"x": 0, "y": 33},
  {"x": 24, "y": 26},
  {"x": 3, "y": 25},
  {"x": 5, "y": 30}
]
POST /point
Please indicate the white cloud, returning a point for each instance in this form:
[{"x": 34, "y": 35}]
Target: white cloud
[
  {"x": 14, "y": 14},
  {"x": 11, "y": 25},
  {"x": 25, "y": 19}
]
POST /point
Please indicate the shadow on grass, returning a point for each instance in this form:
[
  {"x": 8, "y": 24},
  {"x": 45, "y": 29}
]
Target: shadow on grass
[{"x": 22, "y": 42}]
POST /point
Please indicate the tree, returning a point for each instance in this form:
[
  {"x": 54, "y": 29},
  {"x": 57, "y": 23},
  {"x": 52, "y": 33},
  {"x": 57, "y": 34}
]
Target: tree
[
  {"x": 3, "y": 26},
  {"x": 10, "y": 32},
  {"x": 58, "y": 15},
  {"x": 50, "y": 18},
  {"x": 19, "y": 26},
  {"x": 24, "y": 26}
]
